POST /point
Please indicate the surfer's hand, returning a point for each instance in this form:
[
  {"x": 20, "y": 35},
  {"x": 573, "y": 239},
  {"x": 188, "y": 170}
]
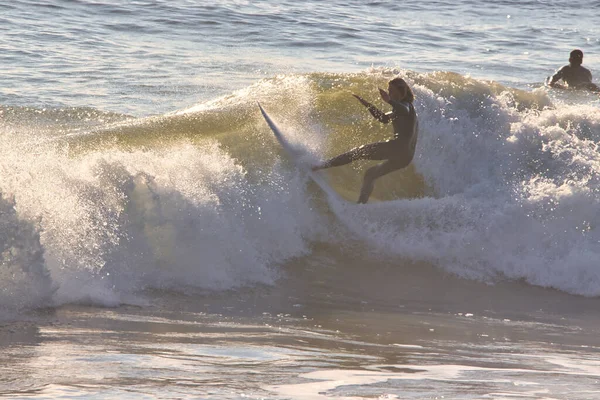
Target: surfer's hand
[
  {"x": 362, "y": 101},
  {"x": 384, "y": 95}
]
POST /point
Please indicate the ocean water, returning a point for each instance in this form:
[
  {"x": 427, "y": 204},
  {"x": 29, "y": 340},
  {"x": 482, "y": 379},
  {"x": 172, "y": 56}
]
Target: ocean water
[{"x": 156, "y": 242}]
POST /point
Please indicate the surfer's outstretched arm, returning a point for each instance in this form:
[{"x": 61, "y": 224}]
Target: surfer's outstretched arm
[
  {"x": 375, "y": 112},
  {"x": 551, "y": 81}
]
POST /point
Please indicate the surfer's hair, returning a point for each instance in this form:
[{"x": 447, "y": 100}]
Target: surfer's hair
[{"x": 399, "y": 82}]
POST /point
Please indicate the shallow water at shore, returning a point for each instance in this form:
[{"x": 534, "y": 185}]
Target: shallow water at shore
[{"x": 299, "y": 352}]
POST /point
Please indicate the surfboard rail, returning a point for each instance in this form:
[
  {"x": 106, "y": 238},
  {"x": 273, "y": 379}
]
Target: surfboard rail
[{"x": 295, "y": 157}]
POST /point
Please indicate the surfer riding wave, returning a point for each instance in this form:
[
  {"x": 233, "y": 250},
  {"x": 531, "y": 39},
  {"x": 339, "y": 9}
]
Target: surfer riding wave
[{"x": 397, "y": 152}]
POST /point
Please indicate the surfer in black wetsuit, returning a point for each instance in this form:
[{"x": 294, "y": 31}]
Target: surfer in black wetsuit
[
  {"x": 574, "y": 75},
  {"x": 397, "y": 152}
]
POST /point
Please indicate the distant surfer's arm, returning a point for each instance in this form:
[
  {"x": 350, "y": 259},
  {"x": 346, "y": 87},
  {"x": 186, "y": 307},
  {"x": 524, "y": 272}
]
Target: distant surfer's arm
[
  {"x": 556, "y": 77},
  {"x": 593, "y": 87},
  {"x": 375, "y": 112}
]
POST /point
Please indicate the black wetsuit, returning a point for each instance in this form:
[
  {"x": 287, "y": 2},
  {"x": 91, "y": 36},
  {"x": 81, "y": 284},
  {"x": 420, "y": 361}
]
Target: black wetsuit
[
  {"x": 398, "y": 151},
  {"x": 573, "y": 76}
]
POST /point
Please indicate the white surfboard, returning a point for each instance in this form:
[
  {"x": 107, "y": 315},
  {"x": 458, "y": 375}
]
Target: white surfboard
[{"x": 295, "y": 155}]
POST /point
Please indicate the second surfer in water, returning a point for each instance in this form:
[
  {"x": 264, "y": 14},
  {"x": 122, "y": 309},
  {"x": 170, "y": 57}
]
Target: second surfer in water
[
  {"x": 397, "y": 152},
  {"x": 574, "y": 75}
]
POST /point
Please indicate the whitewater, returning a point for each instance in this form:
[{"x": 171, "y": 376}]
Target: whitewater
[{"x": 504, "y": 186}]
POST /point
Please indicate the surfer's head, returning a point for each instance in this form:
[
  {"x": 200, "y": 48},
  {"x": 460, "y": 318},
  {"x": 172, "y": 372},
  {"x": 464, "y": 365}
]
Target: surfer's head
[
  {"x": 400, "y": 91},
  {"x": 576, "y": 57}
]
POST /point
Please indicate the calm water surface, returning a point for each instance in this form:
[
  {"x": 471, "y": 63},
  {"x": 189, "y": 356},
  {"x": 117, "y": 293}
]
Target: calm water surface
[{"x": 157, "y": 56}]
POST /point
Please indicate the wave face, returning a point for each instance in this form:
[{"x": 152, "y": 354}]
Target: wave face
[{"x": 97, "y": 207}]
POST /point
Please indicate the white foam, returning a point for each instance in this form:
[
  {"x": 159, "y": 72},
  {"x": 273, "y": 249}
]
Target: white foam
[
  {"x": 116, "y": 222},
  {"x": 513, "y": 193},
  {"x": 323, "y": 381},
  {"x": 24, "y": 279}
]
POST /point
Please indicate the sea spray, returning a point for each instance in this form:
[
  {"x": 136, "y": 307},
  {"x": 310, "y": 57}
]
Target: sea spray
[{"x": 503, "y": 186}]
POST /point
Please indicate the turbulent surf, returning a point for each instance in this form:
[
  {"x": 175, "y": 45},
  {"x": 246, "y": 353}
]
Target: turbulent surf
[{"x": 98, "y": 207}]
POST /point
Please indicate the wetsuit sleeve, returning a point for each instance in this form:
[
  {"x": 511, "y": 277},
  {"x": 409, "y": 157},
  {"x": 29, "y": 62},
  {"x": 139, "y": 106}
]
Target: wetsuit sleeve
[
  {"x": 558, "y": 75},
  {"x": 380, "y": 115}
]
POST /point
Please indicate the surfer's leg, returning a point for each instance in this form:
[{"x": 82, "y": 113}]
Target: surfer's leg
[
  {"x": 372, "y": 174},
  {"x": 372, "y": 151}
]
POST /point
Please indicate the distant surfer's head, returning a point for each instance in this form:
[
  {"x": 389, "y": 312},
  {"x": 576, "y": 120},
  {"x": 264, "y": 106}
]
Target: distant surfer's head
[
  {"x": 576, "y": 57},
  {"x": 400, "y": 91}
]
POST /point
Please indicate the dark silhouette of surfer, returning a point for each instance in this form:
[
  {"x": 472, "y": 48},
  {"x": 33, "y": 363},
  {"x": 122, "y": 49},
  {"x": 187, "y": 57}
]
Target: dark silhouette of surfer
[
  {"x": 397, "y": 152},
  {"x": 574, "y": 75}
]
